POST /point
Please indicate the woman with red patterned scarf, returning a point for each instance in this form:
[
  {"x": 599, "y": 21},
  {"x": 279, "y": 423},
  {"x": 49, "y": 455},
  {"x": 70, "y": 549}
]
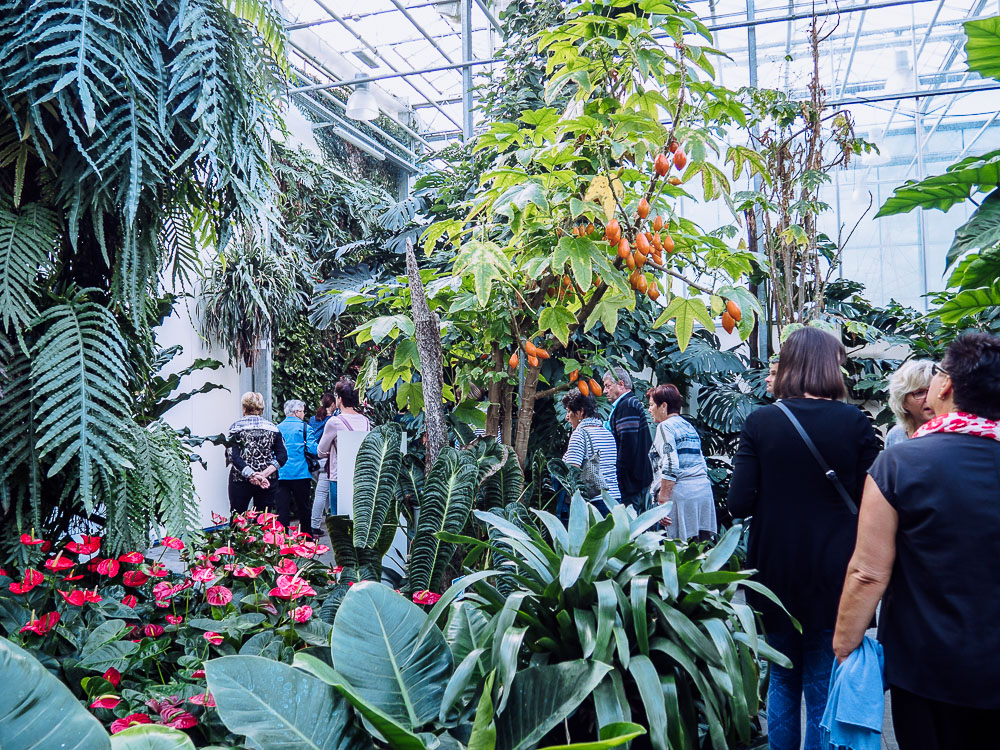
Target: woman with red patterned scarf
[{"x": 928, "y": 545}]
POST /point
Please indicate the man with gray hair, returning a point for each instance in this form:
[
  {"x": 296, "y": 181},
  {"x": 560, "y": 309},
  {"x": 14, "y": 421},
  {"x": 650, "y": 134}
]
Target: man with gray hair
[
  {"x": 295, "y": 477},
  {"x": 631, "y": 430}
]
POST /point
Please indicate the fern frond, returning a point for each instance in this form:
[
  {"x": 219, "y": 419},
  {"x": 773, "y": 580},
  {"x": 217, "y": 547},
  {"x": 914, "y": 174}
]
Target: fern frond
[
  {"x": 27, "y": 237},
  {"x": 17, "y": 432},
  {"x": 78, "y": 371}
]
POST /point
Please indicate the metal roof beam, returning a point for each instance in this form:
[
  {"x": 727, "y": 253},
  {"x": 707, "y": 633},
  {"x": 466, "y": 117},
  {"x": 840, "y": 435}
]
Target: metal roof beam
[
  {"x": 800, "y": 15},
  {"x": 423, "y": 32},
  {"x": 396, "y": 74},
  {"x": 489, "y": 16}
]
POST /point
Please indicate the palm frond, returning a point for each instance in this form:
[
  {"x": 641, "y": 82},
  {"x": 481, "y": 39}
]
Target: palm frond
[
  {"x": 27, "y": 237},
  {"x": 78, "y": 372}
]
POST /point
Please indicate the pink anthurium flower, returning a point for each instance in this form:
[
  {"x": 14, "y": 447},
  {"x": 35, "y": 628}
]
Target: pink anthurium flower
[
  {"x": 173, "y": 542},
  {"x": 286, "y": 567},
  {"x": 198, "y": 674},
  {"x": 290, "y": 587},
  {"x": 175, "y": 619},
  {"x": 43, "y": 624},
  {"x": 129, "y": 601},
  {"x": 212, "y": 637},
  {"x": 242, "y": 571},
  {"x": 58, "y": 563},
  {"x": 106, "y": 701},
  {"x": 302, "y": 614},
  {"x": 219, "y": 596},
  {"x": 134, "y": 578},
  {"x": 204, "y": 574},
  {"x": 426, "y": 597},
  {"x": 156, "y": 570},
  {"x": 108, "y": 568},
  {"x": 131, "y": 557},
  {"x": 153, "y": 631},
  {"x": 113, "y": 676},
  {"x": 202, "y": 699},
  {"x": 227, "y": 550},
  {"x": 120, "y": 725}
]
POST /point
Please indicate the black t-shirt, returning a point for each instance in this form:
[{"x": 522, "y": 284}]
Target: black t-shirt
[
  {"x": 940, "y": 617},
  {"x": 802, "y": 534}
]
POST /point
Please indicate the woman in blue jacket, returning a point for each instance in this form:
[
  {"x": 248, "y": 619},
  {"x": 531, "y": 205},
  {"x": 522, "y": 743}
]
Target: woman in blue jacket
[{"x": 294, "y": 478}]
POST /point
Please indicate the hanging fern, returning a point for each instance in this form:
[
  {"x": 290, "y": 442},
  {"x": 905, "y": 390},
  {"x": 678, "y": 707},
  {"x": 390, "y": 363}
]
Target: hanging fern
[
  {"x": 27, "y": 237},
  {"x": 78, "y": 371}
]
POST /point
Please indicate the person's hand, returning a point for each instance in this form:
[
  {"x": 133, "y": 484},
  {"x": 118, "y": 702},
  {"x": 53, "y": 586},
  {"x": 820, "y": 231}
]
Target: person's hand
[{"x": 668, "y": 520}]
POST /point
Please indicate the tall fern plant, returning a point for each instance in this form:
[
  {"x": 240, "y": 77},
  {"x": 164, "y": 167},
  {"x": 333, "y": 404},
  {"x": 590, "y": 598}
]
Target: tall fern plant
[{"x": 132, "y": 132}]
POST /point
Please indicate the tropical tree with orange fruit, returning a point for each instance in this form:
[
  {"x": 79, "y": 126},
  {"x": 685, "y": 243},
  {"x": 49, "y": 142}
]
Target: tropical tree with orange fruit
[{"x": 576, "y": 218}]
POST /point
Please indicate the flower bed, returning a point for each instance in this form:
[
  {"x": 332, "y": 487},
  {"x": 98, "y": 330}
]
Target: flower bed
[{"x": 130, "y": 637}]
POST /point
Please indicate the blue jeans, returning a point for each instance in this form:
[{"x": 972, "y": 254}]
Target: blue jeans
[{"x": 812, "y": 661}]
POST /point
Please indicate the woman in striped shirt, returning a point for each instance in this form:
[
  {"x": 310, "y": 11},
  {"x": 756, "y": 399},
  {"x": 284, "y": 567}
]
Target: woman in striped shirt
[
  {"x": 679, "y": 470},
  {"x": 590, "y": 436}
]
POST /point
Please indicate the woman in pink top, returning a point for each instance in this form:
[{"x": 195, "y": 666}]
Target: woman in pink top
[{"x": 348, "y": 419}]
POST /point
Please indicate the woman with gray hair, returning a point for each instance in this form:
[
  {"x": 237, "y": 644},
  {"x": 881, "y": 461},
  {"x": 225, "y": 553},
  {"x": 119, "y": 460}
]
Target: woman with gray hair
[
  {"x": 295, "y": 477},
  {"x": 256, "y": 452},
  {"x": 908, "y": 399}
]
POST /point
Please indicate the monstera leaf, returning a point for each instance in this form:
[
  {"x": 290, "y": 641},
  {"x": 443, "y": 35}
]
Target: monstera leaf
[
  {"x": 38, "y": 712},
  {"x": 376, "y": 474},
  {"x": 377, "y": 649},
  {"x": 444, "y": 507}
]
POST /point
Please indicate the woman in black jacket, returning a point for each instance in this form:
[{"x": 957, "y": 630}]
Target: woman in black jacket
[
  {"x": 802, "y": 530},
  {"x": 256, "y": 452}
]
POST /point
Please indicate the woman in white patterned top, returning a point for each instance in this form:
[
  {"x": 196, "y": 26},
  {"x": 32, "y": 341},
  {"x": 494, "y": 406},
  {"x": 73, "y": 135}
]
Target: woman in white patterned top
[
  {"x": 590, "y": 436},
  {"x": 680, "y": 473}
]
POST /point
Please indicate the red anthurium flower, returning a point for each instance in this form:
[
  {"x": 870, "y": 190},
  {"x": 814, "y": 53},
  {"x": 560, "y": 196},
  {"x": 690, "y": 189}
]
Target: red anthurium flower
[
  {"x": 106, "y": 701},
  {"x": 219, "y": 596},
  {"x": 120, "y": 725},
  {"x": 3, "y": 572},
  {"x": 88, "y": 546},
  {"x": 179, "y": 720},
  {"x": 43, "y": 624},
  {"x": 113, "y": 676},
  {"x": 198, "y": 674},
  {"x": 30, "y": 541},
  {"x": 337, "y": 570},
  {"x": 242, "y": 571},
  {"x": 212, "y": 637},
  {"x": 131, "y": 557},
  {"x": 302, "y": 614},
  {"x": 286, "y": 567},
  {"x": 252, "y": 513},
  {"x": 76, "y": 598},
  {"x": 173, "y": 542},
  {"x": 290, "y": 587},
  {"x": 204, "y": 574},
  {"x": 208, "y": 558},
  {"x": 31, "y": 579},
  {"x": 156, "y": 570},
  {"x": 46, "y": 546},
  {"x": 163, "y": 590},
  {"x": 108, "y": 568},
  {"x": 134, "y": 578},
  {"x": 251, "y": 539},
  {"x": 426, "y": 597},
  {"x": 202, "y": 699},
  {"x": 175, "y": 619},
  {"x": 58, "y": 563},
  {"x": 240, "y": 523},
  {"x": 153, "y": 631},
  {"x": 77, "y": 577},
  {"x": 227, "y": 550},
  {"x": 129, "y": 601},
  {"x": 92, "y": 596}
]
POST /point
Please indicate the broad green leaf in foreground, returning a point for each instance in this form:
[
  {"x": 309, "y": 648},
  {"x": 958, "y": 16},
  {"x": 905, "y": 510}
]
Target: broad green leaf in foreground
[
  {"x": 967, "y": 303},
  {"x": 151, "y": 737}
]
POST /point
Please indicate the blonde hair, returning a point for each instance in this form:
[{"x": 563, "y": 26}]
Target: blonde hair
[
  {"x": 911, "y": 376},
  {"x": 253, "y": 403}
]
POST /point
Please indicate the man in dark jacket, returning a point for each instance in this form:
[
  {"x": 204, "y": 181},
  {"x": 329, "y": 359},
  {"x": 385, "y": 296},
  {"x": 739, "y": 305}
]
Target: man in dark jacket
[{"x": 631, "y": 430}]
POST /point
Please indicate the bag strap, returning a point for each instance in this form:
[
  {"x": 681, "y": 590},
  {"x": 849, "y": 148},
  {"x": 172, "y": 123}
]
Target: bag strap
[
  {"x": 829, "y": 473},
  {"x": 588, "y": 443},
  {"x": 345, "y": 423}
]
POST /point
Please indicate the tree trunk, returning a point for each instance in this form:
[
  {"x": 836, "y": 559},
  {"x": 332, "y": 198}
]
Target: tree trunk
[
  {"x": 525, "y": 414},
  {"x": 507, "y": 436},
  {"x": 495, "y": 394},
  {"x": 428, "y": 334}
]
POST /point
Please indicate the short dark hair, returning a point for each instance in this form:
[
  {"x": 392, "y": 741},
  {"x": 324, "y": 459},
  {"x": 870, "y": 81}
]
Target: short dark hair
[
  {"x": 972, "y": 361},
  {"x": 576, "y": 401},
  {"x": 810, "y": 363},
  {"x": 325, "y": 402},
  {"x": 666, "y": 394},
  {"x": 345, "y": 391}
]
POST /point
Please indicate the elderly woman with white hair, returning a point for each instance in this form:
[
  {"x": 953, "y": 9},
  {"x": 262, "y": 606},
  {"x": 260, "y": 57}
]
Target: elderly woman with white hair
[
  {"x": 295, "y": 477},
  {"x": 256, "y": 451},
  {"x": 908, "y": 399}
]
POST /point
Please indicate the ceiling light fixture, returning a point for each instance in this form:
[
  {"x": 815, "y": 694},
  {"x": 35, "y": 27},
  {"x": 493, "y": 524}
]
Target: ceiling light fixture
[{"x": 361, "y": 104}]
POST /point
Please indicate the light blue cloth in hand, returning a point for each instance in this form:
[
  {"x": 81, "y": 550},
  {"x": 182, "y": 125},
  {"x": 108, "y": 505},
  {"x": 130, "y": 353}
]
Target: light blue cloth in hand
[{"x": 856, "y": 703}]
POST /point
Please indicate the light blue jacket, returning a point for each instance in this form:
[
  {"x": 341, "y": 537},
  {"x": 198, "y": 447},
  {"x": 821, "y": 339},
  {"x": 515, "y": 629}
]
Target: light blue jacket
[{"x": 298, "y": 439}]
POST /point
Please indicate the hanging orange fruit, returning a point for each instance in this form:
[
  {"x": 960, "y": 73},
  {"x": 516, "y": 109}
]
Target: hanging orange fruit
[
  {"x": 574, "y": 375},
  {"x": 529, "y": 348},
  {"x": 597, "y": 280},
  {"x": 653, "y": 291},
  {"x": 514, "y": 361},
  {"x": 662, "y": 164},
  {"x": 533, "y": 361},
  {"x": 623, "y": 249},
  {"x": 595, "y": 388},
  {"x": 642, "y": 244},
  {"x": 657, "y": 223},
  {"x": 541, "y": 353},
  {"x": 734, "y": 311},
  {"x": 630, "y": 261},
  {"x": 590, "y": 228},
  {"x": 674, "y": 180},
  {"x": 668, "y": 243},
  {"x": 613, "y": 231},
  {"x": 727, "y": 322},
  {"x": 640, "y": 259},
  {"x": 680, "y": 159},
  {"x": 657, "y": 242},
  {"x": 673, "y": 146},
  {"x": 643, "y": 209},
  {"x": 641, "y": 285},
  {"x": 584, "y": 388}
]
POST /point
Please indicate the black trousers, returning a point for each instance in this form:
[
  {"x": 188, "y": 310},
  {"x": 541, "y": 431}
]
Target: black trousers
[
  {"x": 297, "y": 493},
  {"x": 924, "y": 724},
  {"x": 242, "y": 493}
]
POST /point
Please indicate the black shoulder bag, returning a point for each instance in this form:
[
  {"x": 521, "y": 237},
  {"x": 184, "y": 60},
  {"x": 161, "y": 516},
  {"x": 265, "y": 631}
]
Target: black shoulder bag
[
  {"x": 312, "y": 462},
  {"x": 827, "y": 471}
]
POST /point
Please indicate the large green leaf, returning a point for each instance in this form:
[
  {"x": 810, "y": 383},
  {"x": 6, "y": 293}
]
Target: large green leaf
[
  {"x": 444, "y": 507},
  {"x": 151, "y": 737},
  {"x": 976, "y": 270},
  {"x": 376, "y": 474},
  {"x": 943, "y": 191},
  {"x": 375, "y": 646},
  {"x": 281, "y": 708},
  {"x": 983, "y": 46},
  {"x": 611, "y": 735},
  {"x": 38, "y": 712},
  {"x": 541, "y": 697},
  {"x": 968, "y": 303},
  {"x": 104, "y": 647},
  {"x": 685, "y": 311},
  {"x": 981, "y": 231},
  {"x": 487, "y": 264}
]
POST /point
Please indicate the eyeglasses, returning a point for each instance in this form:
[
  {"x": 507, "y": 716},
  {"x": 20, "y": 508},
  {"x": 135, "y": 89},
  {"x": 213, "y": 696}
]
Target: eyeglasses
[
  {"x": 936, "y": 368},
  {"x": 918, "y": 395}
]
